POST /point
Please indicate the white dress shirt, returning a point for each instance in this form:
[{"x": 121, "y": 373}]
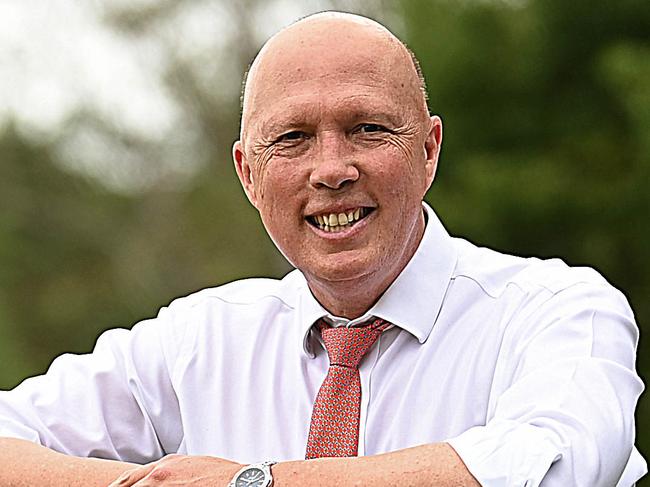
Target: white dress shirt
[{"x": 526, "y": 367}]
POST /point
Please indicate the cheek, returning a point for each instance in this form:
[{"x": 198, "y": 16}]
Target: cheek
[
  {"x": 260, "y": 169},
  {"x": 404, "y": 147},
  {"x": 410, "y": 178},
  {"x": 397, "y": 173},
  {"x": 280, "y": 189}
]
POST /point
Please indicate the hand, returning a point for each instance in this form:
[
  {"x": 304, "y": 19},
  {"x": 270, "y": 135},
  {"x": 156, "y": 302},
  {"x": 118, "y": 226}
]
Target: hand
[{"x": 180, "y": 470}]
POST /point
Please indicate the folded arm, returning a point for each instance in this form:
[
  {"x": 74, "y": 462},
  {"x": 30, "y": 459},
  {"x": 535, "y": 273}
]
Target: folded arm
[
  {"x": 434, "y": 464},
  {"x": 26, "y": 464}
]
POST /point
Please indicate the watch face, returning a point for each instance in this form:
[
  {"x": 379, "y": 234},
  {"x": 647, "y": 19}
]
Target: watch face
[{"x": 252, "y": 477}]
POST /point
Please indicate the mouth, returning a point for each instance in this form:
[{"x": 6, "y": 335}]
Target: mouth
[{"x": 338, "y": 222}]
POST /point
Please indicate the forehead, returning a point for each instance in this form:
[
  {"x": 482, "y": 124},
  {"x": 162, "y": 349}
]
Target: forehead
[
  {"x": 336, "y": 60},
  {"x": 331, "y": 97},
  {"x": 346, "y": 105},
  {"x": 328, "y": 43},
  {"x": 328, "y": 65}
]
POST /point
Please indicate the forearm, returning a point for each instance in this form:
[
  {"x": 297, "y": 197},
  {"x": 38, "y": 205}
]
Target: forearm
[
  {"x": 26, "y": 464},
  {"x": 435, "y": 464}
]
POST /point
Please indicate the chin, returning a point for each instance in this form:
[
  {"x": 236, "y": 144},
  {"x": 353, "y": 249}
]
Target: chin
[{"x": 338, "y": 269}]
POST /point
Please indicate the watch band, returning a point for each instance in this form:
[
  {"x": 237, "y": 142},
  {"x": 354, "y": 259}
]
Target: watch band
[{"x": 265, "y": 467}]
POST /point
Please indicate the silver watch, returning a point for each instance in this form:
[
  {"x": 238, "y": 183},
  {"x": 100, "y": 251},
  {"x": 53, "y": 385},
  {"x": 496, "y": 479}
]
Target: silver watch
[{"x": 254, "y": 475}]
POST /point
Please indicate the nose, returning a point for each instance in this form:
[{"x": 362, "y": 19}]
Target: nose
[{"x": 333, "y": 167}]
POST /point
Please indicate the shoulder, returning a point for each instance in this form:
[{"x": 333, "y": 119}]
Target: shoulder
[
  {"x": 533, "y": 297},
  {"x": 208, "y": 316},
  {"x": 242, "y": 293},
  {"x": 545, "y": 302},
  {"x": 496, "y": 272}
]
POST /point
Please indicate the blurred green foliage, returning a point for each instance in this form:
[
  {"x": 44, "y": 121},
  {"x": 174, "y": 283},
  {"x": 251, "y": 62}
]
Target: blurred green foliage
[{"x": 546, "y": 106}]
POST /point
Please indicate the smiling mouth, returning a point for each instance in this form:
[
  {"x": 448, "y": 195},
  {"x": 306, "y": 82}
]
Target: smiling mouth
[{"x": 337, "y": 222}]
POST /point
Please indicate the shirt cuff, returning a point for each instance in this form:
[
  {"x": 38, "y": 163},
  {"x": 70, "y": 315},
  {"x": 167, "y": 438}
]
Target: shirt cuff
[{"x": 505, "y": 453}]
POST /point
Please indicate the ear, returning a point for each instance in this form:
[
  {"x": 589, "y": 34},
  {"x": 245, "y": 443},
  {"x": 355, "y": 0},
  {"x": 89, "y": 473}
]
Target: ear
[
  {"x": 244, "y": 172},
  {"x": 432, "y": 148}
]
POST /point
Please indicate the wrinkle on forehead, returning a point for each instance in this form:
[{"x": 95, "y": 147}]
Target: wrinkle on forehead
[
  {"x": 295, "y": 113},
  {"x": 341, "y": 46}
]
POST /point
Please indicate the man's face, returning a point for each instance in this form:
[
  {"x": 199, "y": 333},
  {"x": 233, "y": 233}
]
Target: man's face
[{"x": 340, "y": 152}]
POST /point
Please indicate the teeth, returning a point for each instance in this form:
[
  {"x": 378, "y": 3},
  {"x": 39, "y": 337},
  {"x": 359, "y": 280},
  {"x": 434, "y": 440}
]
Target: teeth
[{"x": 337, "y": 222}]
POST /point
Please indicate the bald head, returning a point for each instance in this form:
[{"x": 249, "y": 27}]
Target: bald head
[
  {"x": 316, "y": 44},
  {"x": 335, "y": 125}
]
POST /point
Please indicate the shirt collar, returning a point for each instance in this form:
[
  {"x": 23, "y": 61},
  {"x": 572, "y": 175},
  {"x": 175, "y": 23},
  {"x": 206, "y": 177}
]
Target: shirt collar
[{"x": 412, "y": 302}]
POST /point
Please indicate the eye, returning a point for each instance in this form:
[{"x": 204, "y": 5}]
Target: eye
[
  {"x": 292, "y": 136},
  {"x": 368, "y": 128}
]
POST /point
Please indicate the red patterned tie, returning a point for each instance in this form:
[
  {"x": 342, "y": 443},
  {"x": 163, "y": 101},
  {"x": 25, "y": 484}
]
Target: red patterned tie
[{"x": 334, "y": 429}]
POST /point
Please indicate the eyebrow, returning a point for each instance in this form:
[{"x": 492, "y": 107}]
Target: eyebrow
[
  {"x": 300, "y": 118},
  {"x": 277, "y": 125},
  {"x": 369, "y": 115}
]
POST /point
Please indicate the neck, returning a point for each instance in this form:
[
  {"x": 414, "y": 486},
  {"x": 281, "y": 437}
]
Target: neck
[{"x": 344, "y": 298}]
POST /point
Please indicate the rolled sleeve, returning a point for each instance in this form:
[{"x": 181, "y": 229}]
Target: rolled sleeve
[
  {"x": 115, "y": 403},
  {"x": 562, "y": 410}
]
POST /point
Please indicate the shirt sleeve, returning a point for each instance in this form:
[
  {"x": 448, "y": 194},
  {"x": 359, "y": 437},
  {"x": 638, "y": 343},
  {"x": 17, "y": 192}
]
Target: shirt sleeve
[
  {"x": 564, "y": 395},
  {"x": 116, "y": 403}
]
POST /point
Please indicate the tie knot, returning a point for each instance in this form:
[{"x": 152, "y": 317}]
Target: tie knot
[{"x": 346, "y": 346}]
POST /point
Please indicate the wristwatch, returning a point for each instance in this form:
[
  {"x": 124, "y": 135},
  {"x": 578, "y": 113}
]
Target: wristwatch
[{"x": 254, "y": 475}]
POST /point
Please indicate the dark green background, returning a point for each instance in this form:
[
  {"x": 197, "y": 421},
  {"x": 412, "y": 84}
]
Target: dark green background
[{"x": 546, "y": 109}]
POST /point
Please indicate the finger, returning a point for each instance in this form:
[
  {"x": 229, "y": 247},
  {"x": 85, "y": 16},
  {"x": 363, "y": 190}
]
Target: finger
[{"x": 130, "y": 477}]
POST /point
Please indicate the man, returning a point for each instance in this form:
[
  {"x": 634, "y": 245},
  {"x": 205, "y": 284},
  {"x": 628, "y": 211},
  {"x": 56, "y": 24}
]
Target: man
[{"x": 477, "y": 368}]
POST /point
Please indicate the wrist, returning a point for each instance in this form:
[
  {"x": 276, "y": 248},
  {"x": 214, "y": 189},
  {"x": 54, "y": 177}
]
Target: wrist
[{"x": 253, "y": 475}]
